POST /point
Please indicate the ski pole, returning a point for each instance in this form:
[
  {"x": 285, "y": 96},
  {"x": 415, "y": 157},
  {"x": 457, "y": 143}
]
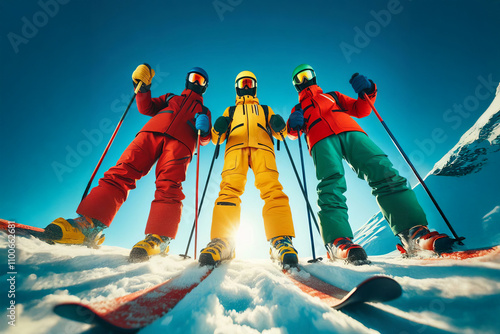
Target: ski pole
[
  {"x": 197, "y": 187},
  {"x": 300, "y": 184},
  {"x": 420, "y": 179},
  {"x": 216, "y": 154},
  {"x": 111, "y": 140},
  {"x": 307, "y": 199}
]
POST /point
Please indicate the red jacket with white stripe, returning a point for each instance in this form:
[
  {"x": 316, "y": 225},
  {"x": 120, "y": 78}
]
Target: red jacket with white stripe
[{"x": 324, "y": 117}]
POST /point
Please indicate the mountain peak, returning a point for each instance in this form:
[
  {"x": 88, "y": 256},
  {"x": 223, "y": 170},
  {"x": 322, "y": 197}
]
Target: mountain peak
[{"x": 471, "y": 152}]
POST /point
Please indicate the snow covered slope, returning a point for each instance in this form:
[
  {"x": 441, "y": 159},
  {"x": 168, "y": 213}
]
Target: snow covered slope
[
  {"x": 475, "y": 146},
  {"x": 253, "y": 296}
]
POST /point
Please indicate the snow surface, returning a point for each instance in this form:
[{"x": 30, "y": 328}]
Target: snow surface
[{"x": 253, "y": 296}]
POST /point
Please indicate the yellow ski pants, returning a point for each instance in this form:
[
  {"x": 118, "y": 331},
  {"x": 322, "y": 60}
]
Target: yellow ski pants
[{"x": 276, "y": 212}]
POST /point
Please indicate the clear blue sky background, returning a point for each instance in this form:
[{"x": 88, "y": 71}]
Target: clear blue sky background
[{"x": 66, "y": 72}]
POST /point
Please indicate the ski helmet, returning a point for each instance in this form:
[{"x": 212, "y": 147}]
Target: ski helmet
[
  {"x": 303, "y": 76},
  {"x": 246, "y": 84},
  {"x": 197, "y": 80}
]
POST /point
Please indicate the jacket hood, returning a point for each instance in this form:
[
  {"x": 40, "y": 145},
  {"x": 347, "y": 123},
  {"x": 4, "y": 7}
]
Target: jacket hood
[
  {"x": 246, "y": 99},
  {"x": 310, "y": 92}
]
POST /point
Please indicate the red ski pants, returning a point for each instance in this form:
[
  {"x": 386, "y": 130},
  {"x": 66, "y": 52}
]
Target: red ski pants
[{"x": 172, "y": 159}]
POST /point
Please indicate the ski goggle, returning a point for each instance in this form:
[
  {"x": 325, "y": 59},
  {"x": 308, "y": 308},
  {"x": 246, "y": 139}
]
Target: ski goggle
[
  {"x": 246, "y": 82},
  {"x": 196, "y": 77},
  {"x": 302, "y": 76}
]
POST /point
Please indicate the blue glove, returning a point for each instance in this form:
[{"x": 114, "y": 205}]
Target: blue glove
[
  {"x": 202, "y": 122},
  {"x": 296, "y": 120},
  {"x": 361, "y": 83}
]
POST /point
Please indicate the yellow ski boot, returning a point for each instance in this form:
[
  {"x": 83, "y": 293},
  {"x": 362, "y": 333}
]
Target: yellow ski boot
[
  {"x": 217, "y": 250},
  {"x": 79, "y": 231},
  {"x": 282, "y": 250},
  {"x": 153, "y": 244}
]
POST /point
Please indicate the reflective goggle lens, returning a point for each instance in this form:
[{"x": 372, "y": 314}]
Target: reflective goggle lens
[
  {"x": 302, "y": 76},
  {"x": 193, "y": 77},
  {"x": 248, "y": 82}
]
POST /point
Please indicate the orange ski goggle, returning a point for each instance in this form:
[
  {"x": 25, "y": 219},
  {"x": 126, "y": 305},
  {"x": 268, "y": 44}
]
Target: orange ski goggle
[
  {"x": 196, "y": 77},
  {"x": 246, "y": 82}
]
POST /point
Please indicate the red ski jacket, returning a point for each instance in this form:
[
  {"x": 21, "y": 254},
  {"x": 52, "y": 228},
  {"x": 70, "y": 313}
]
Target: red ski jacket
[
  {"x": 173, "y": 115},
  {"x": 327, "y": 114}
]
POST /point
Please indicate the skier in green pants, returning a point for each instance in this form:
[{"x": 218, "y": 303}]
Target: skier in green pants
[{"x": 332, "y": 135}]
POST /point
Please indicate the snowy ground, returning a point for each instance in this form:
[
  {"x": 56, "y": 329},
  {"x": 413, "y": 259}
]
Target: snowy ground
[{"x": 253, "y": 296}]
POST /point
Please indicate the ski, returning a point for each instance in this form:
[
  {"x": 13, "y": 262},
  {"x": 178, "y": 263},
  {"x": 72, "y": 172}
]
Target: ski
[
  {"x": 373, "y": 289},
  {"x": 134, "y": 311},
  {"x": 21, "y": 230},
  {"x": 468, "y": 253}
]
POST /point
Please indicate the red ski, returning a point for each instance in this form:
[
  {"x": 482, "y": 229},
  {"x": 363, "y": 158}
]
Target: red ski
[
  {"x": 136, "y": 310},
  {"x": 469, "y": 253},
  {"x": 373, "y": 289},
  {"x": 21, "y": 230}
]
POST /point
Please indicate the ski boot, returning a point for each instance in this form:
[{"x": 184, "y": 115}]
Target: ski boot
[
  {"x": 153, "y": 244},
  {"x": 282, "y": 250},
  {"x": 217, "y": 250},
  {"x": 419, "y": 238},
  {"x": 345, "y": 249},
  {"x": 79, "y": 231}
]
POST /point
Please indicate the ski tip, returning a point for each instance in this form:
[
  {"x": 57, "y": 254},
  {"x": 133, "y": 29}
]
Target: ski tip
[
  {"x": 76, "y": 312},
  {"x": 386, "y": 287}
]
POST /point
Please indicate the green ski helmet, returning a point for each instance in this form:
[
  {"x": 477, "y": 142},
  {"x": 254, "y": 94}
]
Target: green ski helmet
[{"x": 303, "y": 76}]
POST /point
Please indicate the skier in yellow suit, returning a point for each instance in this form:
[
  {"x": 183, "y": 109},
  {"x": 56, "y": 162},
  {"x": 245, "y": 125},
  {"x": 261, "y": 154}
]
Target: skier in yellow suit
[{"x": 249, "y": 128}]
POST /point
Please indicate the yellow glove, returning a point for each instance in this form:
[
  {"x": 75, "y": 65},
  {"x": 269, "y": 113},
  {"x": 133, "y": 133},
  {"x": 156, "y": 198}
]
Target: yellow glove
[{"x": 143, "y": 73}]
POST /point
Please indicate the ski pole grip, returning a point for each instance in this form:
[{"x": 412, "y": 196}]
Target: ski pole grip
[{"x": 138, "y": 87}]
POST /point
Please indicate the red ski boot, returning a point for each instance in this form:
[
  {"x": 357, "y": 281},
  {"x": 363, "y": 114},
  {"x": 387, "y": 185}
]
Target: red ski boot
[
  {"x": 419, "y": 238},
  {"x": 345, "y": 249}
]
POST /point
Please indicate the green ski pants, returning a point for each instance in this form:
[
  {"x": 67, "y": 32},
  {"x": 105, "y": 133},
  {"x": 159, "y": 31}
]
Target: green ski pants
[{"x": 396, "y": 200}]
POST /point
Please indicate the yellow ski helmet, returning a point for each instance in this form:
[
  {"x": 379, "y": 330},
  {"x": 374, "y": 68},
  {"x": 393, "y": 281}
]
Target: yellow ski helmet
[{"x": 246, "y": 84}]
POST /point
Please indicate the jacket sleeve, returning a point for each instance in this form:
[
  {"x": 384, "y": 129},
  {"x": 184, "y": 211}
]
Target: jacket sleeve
[
  {"x": 222, "y": 136},
  {"x": 275, "y": 134},
  {"x": 206, "y": 139},
  {"x": 357, "y": 107},
  {"x": 151, "y": 106},
  {"x": 292, "y": 134}
]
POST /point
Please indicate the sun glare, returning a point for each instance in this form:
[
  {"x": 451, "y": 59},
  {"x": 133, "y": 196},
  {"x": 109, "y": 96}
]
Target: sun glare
[{"x": 245, "y": 240}]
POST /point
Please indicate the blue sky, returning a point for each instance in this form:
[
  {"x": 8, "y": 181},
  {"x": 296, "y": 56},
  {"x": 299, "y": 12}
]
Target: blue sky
[{"x": 67, "y": 68}]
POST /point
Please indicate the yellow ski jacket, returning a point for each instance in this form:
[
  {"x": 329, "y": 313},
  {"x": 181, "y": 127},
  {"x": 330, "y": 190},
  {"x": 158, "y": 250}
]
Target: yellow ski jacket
[{"x": 249, "y": 126}]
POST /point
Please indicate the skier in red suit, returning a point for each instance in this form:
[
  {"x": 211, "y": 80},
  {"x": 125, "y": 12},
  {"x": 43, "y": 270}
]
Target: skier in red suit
[{"x": 169, "y": 139}]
